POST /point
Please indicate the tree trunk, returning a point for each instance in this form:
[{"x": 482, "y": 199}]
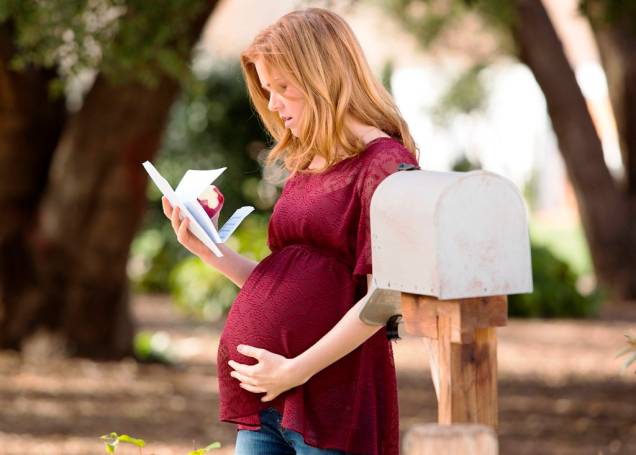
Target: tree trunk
[
  {"x": 606, "y": 211},
  {"x": 91, "y": 210},
  {"x": 617, "y": 45},
  {"x": 30, "y": 126},
  {"x": 88, "y": 214}
]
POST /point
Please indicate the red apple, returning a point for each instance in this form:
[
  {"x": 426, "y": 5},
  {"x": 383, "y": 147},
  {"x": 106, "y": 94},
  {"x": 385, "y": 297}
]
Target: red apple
[{"x": 211, "y": 200}]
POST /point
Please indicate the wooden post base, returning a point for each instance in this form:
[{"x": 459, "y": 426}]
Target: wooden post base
[
  {"x": 464, "y": 331},
  {"x": 431, "y": 439}
]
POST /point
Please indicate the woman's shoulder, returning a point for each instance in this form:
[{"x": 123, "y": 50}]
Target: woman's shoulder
[{"x": 385, "y": 150}]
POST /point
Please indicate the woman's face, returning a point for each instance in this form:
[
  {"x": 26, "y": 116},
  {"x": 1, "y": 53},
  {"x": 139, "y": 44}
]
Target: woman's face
[{"x": 284, "y": 98}]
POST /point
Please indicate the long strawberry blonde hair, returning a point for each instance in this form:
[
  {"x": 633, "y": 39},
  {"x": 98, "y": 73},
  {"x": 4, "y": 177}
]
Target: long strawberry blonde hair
[{"x": 317, "y": 51}]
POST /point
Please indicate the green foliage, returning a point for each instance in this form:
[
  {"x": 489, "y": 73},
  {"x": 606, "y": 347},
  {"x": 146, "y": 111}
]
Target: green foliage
[
  {"x": 153, "y": 253},
  {"x": 387, "y": 72},
  {"x": 428, "y": 20},
  {"x": 153, "y": 347},
  {"x": 425, "y": 19},
  {"x": 499, "y": 14},
  {"x": 124, "y": 39},
  {"x": 465, "y": 95},
  {"x": 602, "y": 12},
  {"x": 113, "y": 440},
  {"x": 214, "y": 445},
  {"x": 464, "y": 164},
  {"x": 566, "y": 242},
  {"x": 555, "y": 293}
]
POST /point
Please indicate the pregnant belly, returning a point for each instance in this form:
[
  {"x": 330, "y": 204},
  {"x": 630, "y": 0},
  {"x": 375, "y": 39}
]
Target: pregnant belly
[{"x": 291, "y": 299}]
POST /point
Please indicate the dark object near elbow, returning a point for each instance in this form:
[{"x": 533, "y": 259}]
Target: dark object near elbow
[
  {"x": 392, "y": 327},
  {"x": 407, "y": 167}
]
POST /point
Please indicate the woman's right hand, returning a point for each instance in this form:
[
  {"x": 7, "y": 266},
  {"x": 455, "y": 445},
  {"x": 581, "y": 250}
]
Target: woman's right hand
[{"x": 184, "y": 236}]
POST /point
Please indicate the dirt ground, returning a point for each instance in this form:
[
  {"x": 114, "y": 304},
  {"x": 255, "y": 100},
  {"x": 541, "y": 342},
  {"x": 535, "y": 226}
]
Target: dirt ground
[{"x": 561, "y": 390}]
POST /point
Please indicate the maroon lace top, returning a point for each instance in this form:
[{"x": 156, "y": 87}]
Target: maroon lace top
[{"x": 320, "y": 245}]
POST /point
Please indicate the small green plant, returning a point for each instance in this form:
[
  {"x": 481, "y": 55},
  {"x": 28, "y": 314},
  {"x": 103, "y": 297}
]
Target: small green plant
[
  {"x": 629, "y": 349},
  {"x": 113, "y": 440},
  {"x": 214, "y": 445}
]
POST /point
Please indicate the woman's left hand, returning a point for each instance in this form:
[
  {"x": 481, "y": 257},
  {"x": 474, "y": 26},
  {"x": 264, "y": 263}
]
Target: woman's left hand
[{"x": 272, "y": 375}]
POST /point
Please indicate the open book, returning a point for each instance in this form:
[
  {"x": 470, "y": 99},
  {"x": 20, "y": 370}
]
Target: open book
[{"x": 192, "y": 184}]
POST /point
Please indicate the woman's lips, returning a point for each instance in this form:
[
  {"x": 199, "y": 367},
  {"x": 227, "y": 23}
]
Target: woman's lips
[{"x": 287, "y": 120}]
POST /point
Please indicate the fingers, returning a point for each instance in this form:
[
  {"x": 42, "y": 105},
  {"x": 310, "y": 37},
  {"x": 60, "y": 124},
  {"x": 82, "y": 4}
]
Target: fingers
[
  {"x": 242, "y": 368},
  {"x": 182, "y": 233},
  {"x": 167, "y": 208},
  {"x": 244, "y": 379},
  {"x": 180, "y": 227},
  {"x": 251, "y": 388},
  {"x": 175, "y": 219},
  {"x": 250, "y": 351}
]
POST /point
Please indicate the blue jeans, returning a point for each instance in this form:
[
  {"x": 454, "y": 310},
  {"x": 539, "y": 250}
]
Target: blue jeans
[{"x": 273, "y": 439}]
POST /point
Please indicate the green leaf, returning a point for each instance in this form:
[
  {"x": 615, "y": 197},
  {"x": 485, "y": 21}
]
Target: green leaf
[
  {"x": 214, "y": 445},
  {"x": 131, "y": 440},
  {"x": 111, "y": 442},
  {"x": 113, "y": 439}
]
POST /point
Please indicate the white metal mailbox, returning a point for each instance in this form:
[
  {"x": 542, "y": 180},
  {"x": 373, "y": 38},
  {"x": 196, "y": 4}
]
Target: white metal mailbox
[
  {"x": 449, "y": 235},
  {"x": 447, "y": 249}
]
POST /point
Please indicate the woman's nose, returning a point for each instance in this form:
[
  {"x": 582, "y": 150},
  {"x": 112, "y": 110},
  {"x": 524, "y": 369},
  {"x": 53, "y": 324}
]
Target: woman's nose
[{"x": 274, "y": 102}]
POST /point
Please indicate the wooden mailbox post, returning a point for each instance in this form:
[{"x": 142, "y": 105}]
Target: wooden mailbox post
[{"x": 448, "y": 247}]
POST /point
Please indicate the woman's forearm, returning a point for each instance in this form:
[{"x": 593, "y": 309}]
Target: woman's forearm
[
  {"x": 349, "y": 333},
  {"x": 233, "y": 265}
]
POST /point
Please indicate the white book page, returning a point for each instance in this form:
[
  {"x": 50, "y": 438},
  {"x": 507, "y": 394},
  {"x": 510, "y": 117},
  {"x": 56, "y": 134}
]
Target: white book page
[
  {"x": 232, "y": 223},
  {"x": 194, "y": 182},
  {"x": 195, "y": 227},
  {"x": 203, "y": 219}
]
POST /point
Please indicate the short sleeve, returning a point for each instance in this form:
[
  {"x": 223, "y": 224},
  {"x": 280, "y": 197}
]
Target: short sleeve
[{"x": 380, "y": 162}]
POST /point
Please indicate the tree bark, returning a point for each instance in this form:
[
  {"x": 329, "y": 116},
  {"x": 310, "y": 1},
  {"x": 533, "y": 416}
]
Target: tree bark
[
  {"x": 607, "y": 213},
  {"x": 92, "y": 209},
  {"x": 617, "y": 46},
  {"x": 86, "y": 216},
  {"x": 30, "y": 126}
]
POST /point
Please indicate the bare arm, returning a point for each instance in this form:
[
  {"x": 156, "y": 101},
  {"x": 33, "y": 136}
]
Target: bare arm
[{"x": 234, "y": 266}]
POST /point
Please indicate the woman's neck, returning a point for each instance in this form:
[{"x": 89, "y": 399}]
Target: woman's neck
[{"x": 366, "y": 133}]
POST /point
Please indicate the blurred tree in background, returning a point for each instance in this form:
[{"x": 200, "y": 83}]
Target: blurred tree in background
[
  {"x": 607, "y": 207},
  {"x": 72, "y": 190}
]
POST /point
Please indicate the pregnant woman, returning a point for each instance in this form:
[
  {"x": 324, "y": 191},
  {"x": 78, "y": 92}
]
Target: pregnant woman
[{"x": 298, "y": 371}]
